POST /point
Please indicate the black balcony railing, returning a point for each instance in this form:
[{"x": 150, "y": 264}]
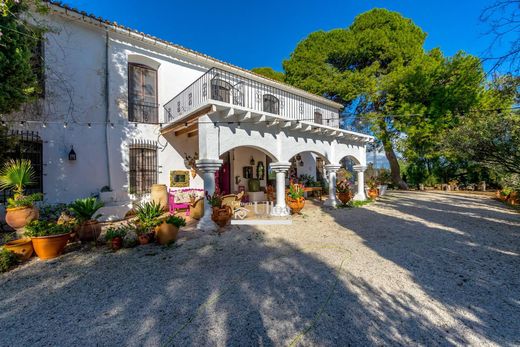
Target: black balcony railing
[
  {"x": 143, "y": 112},
  {"x": 226, "y": 87}
]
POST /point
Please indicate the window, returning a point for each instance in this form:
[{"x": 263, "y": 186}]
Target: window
[
  {"x": 271, "y": 104},
  {"x": 220, "y": 90},
  {"x": 142, "y": 94},
  {"x": 27, "y": 145},
  {"x": 143, "y": 167},
  {"x": 318, "y": 117}
]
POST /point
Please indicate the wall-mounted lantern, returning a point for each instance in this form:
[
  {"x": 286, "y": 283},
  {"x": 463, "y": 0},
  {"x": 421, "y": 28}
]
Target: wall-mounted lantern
[
  {"x": 252, "y": 161},
  {"x": 72, "y": 154}
]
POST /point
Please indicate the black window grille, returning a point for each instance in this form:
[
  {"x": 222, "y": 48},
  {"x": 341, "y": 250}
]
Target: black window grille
[
  {"x": 220, "y": 90},
  {"x": 28, "y": 145},
  {"x": 318, "y": 117},
  {"x": 271, "y": 104},
  {"x": 143, "y": 166},
  {"x": 142, "y": 94}
]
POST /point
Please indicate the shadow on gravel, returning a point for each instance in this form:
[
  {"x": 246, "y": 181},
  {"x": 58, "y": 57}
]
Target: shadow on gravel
[{"x": 465, "y": 258}]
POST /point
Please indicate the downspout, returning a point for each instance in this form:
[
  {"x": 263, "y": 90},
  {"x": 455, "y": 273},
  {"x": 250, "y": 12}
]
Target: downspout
[{"x": 107, "y": 108}]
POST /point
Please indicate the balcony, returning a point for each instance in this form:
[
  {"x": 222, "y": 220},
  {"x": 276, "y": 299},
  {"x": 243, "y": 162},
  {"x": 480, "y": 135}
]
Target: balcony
[{"x": 229, "y": 90}]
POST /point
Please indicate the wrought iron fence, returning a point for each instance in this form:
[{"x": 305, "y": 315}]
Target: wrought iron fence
[
  {"x": 227, "y": 87},
  {"x": 27, "y": 145}
]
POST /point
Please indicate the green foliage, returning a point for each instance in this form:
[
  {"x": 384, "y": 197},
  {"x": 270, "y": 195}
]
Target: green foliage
[
  {"x": 24, "y": 200},
  {"x": 8, "y": 259},
  {"x": 176, "y": 220},
  {"x": 214, "y": 200},
  {"x": 17, "y": 42},
  {"x": 16, "y": 175},
  {"x": 53, "y": 212},
  {"x": 148, "y": 214},
  {"x": 295, "y": 191},
  {"x": 269, "y": 73},
  {"x": 84, "y": 209},
  {"x": 343, "y": 186},
  {"x": 39, "y": 228},
  {"x": 114, "y": 232}
]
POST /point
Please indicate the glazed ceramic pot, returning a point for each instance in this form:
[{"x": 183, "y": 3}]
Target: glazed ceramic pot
[
  {"x": 344, "y": 197},
  {"x": 89, "y": 230},
  {"x": 372, "y": 193},
  {"x": 166, "y": 233},
  {"x": 296, "y": 205},
  {"x": 18, "y": 217},
  {"x": 221, "y": 216},
  {"x": 23, "y": 248},
  {"x": 49, "y": 247}
]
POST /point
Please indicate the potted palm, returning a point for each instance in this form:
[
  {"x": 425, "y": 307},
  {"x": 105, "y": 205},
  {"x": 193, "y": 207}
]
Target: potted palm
[
  {"x": 147, "y": 215},
  {"x": 294, "y": 198},
  {"x": 48, "y": 238},
  {"x": 221, "y": 214},
  {"x": 16, "y": 175},
  {"x": 115, "y": 236},
  {"x": 84, "y": 211},
  {"x": 343, "y": 191},
  {"x": 167, "y": 231}
]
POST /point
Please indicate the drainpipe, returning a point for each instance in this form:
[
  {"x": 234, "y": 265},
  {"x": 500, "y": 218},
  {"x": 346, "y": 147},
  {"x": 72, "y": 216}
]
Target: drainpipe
[{"x": 107, "y": 107}]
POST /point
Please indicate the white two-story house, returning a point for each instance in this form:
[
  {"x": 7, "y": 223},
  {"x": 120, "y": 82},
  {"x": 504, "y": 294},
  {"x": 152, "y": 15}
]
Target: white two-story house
[{"x": 132, "y": 108}]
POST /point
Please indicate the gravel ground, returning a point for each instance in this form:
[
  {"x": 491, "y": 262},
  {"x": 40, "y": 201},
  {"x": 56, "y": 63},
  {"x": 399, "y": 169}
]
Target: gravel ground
[{"x": 412, "y": 269}]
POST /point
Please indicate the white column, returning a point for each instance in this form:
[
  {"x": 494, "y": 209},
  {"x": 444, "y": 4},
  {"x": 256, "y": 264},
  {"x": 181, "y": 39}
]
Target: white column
[
  {"x": 332, "y": 169},
  {"x": 280, "y": 209},
  {"x": 360, "y": 195},
  {"x": 208, "y": 167}
]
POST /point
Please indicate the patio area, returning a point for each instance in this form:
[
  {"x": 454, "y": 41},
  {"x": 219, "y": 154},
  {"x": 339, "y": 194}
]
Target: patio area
[{"x": 413, "y": 268}]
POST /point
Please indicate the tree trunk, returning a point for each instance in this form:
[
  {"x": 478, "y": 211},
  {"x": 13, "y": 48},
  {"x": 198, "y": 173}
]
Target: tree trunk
[{"x": 395, "y": 170}]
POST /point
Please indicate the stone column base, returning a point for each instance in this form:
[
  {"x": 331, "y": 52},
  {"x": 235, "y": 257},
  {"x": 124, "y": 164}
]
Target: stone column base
[
  {"x": 279, "y": 211},
  {"x": 207, "y": 224}
]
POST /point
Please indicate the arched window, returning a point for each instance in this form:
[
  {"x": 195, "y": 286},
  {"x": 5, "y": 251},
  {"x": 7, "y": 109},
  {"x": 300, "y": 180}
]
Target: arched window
[
  {"x": 318, "y": 117},
  {"x": 271, "y": 104},
  {"x": 220, "y": 90}
]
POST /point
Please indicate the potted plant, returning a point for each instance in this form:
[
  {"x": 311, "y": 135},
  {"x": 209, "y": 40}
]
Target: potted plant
[
  {"x": 343, "y": 191},
  {"x": 294, "y": 198},
  {"x": 167, "y": 231},
  {"x": 221, "y": 214},
  {"x": 8, "y": 259},
  {"x": 23, "y": 248},
  {"x": 84, "y": 210},
  {"x": 48, "y": 238},
  {"x": 16, "y": 175},
  {"x": 147, "y": 214},
  {"x": 115, "y": 235},
  {"x": 372, "y": 188}
]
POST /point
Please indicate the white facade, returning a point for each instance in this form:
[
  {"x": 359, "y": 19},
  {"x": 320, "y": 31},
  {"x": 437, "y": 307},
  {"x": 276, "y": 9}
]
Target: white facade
[{"x": 86, "y": 107}]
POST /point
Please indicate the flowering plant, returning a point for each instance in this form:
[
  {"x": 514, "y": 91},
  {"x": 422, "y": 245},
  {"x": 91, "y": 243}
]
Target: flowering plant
[
  {"x": 296, "y": 191},
  {"x": 215, "y": 200},
  {"x": 343, "y": 186}
]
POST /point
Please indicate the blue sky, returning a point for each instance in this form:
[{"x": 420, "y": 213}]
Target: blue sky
[{"x": 263, "y": 33}]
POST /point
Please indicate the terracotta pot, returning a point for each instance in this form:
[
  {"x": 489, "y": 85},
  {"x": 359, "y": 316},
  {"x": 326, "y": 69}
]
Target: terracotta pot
[
  {"x": 372, "y": 193},
  {"x": 221, "y": 216},
  {"x": 144, "y": 239},
  {"x": 89, "y": 230},
  {"x": 18, "y": 217},
  {"x": 23, "y": 248},
  {"x": 513, "y": 199},
  {"x": 159, "y": 195},
  {"x": 166, "y": 233},
  {"x": 49, "y": 247},
  {"x": 116, "y": 243},
  {"x": 344, "y": 197},
  {"x": 296, "y": 205}
]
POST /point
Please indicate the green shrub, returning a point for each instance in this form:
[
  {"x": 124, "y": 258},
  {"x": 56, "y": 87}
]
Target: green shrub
[
  {"x": 119, "y": 231},
  {"x": 7, "y": 259},
  {"x": 24, "y": 200},
  {"x": 39, "y": 228},
  {"x": 148, "y": 214},
  {"x": 84, "y": 209},
  {"x": 176, "y": 220}
]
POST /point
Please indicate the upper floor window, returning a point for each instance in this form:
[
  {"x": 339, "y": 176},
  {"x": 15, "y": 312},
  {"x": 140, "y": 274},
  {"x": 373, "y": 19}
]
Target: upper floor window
[
  {"x": 271, "y": 104},
  {"x": 142, "y": 94},
  {"x": 318, "y": 117},
  {"x": 220, "y": 90}
]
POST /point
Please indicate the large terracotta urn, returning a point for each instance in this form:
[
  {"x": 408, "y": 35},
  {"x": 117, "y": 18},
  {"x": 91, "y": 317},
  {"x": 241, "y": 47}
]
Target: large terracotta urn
[
  {"x": 49, "y": 247},
  {"x": 166, "y": 233},
  {"x": 89, "y": 231},
  {"x": 344, "y": 197},
  {"x": 159, "y": 195},
  {"x": 18, "y": 217},
  {"x": 221, "y": 216},
  {"x": 296, "y": 205}
]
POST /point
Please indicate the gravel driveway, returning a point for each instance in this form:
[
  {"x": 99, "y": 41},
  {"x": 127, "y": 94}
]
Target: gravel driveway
[{"x": 412, "y": 269}]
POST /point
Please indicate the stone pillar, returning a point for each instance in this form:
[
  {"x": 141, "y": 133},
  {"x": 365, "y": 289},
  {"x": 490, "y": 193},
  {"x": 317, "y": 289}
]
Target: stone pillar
[
  {"x": 332, "y": 169},
  {"x": 360, "y": 195},
  {"x": 280, "y": 209},
  {"x": 208, "y": 167}
]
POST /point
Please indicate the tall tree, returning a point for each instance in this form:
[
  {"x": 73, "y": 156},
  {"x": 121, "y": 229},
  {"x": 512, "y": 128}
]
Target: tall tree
[
  {"x": 378, "y": 68},
  {"x": 269, "y": 73}
]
